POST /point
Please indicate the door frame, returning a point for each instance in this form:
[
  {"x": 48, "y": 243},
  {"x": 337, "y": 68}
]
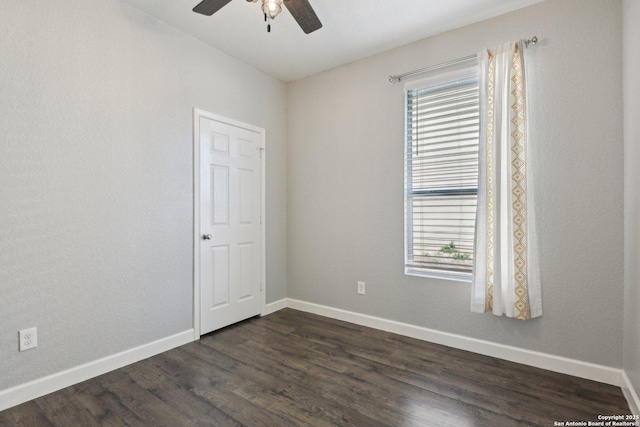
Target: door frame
[{"x": 197, "y": 115}]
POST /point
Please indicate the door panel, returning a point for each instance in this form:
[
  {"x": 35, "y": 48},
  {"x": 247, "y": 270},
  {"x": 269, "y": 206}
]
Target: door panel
[
  {"x": 220, "y": 195},
  {"x": 220, "y": 276},
  {"x": 231, "y": 231},
  {"x": 245, "y": 191},
  {"x": 246, "y": 261}
]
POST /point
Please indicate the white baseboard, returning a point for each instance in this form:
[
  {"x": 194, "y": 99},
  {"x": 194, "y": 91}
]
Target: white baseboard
[
  {"x": 31, "y": 390},
  {"x": 630, "y": 394},
  {"x": 536, "y": 359},
  {"x": 24, "y": 392},
  {"x": 272, "y": 307}
]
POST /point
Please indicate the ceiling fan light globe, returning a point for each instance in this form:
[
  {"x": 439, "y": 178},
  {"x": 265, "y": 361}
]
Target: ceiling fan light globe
[{"x": 271, "y": 8}]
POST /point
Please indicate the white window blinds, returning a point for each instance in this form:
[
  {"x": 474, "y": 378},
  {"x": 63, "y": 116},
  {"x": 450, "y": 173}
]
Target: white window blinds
[{"x": 441, "y": 182}]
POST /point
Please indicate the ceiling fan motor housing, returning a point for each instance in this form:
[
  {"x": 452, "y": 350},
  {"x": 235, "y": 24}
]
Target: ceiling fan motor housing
[{"x": 301, "y": 11}]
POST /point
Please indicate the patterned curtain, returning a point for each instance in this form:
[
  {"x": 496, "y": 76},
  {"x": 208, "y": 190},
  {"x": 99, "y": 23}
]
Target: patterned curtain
[{"x": 505, "y": 277}]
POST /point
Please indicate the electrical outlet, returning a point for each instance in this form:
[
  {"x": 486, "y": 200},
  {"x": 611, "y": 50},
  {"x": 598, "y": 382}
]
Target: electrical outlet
[
  {"x": 361, "y": 288},
  {"x": 28, "y": 338}
]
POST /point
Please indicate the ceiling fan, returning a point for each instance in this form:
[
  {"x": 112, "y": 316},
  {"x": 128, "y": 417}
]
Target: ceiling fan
[{"x": 300, "y": 9}]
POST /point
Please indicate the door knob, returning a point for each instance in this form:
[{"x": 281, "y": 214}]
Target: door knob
[{"x": 207, "y": 236}]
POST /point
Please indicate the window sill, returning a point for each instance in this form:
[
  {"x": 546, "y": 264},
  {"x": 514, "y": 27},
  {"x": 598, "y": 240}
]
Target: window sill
[{"x": 435, "y": 274}]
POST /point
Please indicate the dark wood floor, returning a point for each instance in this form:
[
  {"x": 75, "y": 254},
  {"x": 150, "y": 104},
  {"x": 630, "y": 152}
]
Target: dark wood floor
[{"x": 294, "y": 368}]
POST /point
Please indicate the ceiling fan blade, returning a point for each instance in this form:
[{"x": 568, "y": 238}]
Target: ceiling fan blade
[
  {"x": 304, "y": 15},
  {"x": 209, "y": 7}
]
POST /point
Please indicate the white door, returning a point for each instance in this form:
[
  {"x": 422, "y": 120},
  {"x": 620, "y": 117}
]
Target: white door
[{"x": 231, "y": 253}]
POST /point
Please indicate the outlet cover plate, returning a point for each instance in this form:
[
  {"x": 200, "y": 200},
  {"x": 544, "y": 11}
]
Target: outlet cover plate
[
  {"x": 28, "y": 338},
  {"x": 361, "y": 286}
]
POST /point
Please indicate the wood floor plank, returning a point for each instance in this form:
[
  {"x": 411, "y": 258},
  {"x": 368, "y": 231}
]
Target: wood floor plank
[
  {"x": 297, "y": 369},
  {"x": 468, "y": 367},
  {"x": 103, "y": 405},
  {"x": 265, "y": 380},
  {"x": 145, "y": 405},
  {"x": 165, "y": 388},
  {"x": 66, "y": 410},
  {"x": 27, "y": 414},
  {"x": 348, "y": 366},
  {"x": 213, "y": 384},
  {"x": 321, "y": 381}
]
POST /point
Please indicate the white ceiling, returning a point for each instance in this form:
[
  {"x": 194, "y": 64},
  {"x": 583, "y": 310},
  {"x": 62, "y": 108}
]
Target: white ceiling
[{"x": 352, "y": 29}]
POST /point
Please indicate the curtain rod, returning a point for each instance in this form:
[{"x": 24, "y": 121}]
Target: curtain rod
[{"x": 398, "y": 77}]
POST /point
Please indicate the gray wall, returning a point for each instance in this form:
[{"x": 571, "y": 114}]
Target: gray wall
[
  {"x": 345, "y": 184},
  {"x": 632, "y": 191},
  {"x": 96, "y": 177}
]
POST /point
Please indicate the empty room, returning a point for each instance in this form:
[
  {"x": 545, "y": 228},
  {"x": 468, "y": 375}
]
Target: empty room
[{"x": 319, "y": 212}]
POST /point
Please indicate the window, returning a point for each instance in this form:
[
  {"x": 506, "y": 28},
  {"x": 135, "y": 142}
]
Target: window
[{"x": 441, "y": 175}]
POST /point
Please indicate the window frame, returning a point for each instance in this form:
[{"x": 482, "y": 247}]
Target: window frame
[{"x": 466, "y": 69}]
